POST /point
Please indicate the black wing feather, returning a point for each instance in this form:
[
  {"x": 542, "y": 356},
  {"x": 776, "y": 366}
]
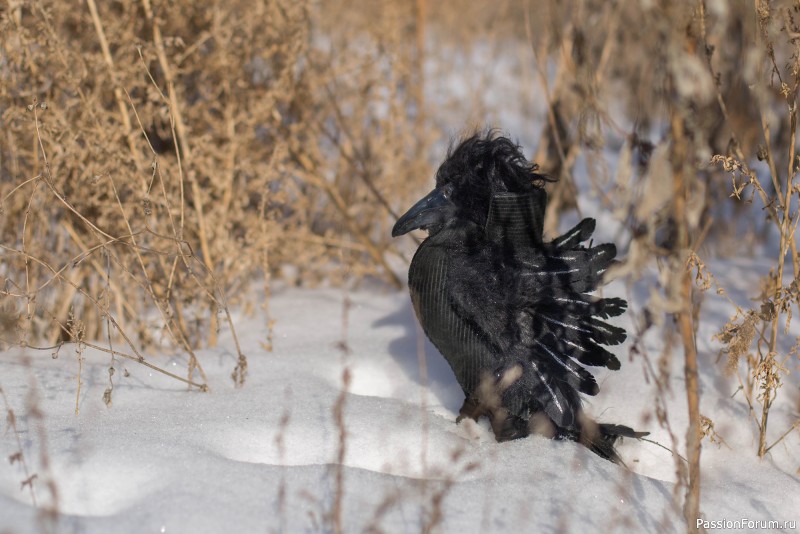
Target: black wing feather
[
  {"x": 576, "y": 235},
  {"x": 573, "y": 374}
]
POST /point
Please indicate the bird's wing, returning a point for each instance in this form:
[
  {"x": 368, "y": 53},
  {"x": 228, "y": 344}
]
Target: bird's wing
[
  {"x": 529, "y": 305},
  {"x": 529, "y": 301},
  {"x": 561, "y": 327},
  {"x": 552, "y": 286},
  {"x": 544, "y": 289},
  {"x": 551, "y": 281},
  {"x": 563, "y": 266}
]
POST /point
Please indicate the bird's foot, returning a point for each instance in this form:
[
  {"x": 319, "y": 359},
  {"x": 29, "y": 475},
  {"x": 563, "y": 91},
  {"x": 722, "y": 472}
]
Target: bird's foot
[
  {"x": 470, "y": 409},
  {"x": 507, "y": 427}
]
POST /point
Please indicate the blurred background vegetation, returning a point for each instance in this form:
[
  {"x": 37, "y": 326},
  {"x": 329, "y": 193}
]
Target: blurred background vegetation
[{"x": 281, "y": 138}]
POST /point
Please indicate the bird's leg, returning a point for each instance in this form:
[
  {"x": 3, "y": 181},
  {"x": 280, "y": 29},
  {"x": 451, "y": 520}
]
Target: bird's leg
[
  {"x": 540, "y": 424},
  {"x": 471, "y": 408},
  {"x": 504, "y": 425},
  {"x": 507, "y": 427}
]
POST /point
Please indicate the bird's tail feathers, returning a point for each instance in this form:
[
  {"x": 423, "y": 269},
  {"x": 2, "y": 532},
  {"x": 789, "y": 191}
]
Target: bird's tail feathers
[{"x": 600, "y": 438}]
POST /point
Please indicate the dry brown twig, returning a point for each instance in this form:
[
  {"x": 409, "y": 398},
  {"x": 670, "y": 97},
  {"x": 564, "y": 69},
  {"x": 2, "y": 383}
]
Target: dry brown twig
[{"x": 767, "y": 371}]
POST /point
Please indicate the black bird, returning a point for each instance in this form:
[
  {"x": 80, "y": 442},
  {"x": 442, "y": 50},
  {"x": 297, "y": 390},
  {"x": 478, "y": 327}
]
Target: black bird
[{"x": 510, "y": 313}]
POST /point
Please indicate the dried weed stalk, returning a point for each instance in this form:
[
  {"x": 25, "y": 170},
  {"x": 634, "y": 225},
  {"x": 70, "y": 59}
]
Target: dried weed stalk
[
  {"x": 18, "y": 456},
  {"x": 753, "y": 335}
]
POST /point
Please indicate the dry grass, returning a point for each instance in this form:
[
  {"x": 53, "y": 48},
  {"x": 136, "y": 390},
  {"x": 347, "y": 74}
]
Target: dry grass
[{"x": 157, "y": 159}]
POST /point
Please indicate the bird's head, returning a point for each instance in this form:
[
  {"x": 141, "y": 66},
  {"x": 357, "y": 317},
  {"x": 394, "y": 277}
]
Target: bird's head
[{"x": 480, "y": 166}]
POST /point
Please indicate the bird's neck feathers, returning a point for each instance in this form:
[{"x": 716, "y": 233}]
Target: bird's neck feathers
[
  {"x": 458, "y": 235},
  {"x": 514, "y": 219},
  {"x": 517, "y": 218}
]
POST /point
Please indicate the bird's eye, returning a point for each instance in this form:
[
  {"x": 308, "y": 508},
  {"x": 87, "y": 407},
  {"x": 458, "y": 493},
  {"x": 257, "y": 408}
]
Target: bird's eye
[{"x": 447, "y": 190}]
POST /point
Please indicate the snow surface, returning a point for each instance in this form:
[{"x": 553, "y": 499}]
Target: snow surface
[{"x": 263, "y": 458}]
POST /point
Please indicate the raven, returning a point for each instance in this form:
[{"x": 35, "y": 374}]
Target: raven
[{"x": 511, "y": 313}]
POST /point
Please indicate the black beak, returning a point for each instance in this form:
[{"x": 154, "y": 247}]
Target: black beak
[{"x": 429, "y": 212}]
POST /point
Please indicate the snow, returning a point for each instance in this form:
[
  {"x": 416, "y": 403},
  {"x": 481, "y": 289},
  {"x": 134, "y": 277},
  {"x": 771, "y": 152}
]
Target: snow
[{"x": 264, "y": 457}]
